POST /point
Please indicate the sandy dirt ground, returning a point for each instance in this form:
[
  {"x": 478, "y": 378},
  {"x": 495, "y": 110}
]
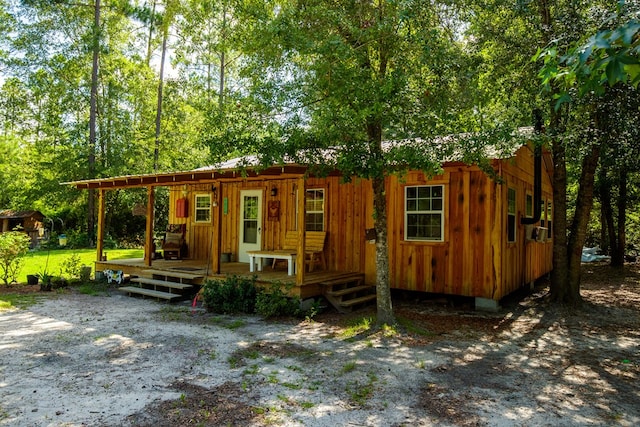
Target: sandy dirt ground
[{"x": 112, "y": 360}]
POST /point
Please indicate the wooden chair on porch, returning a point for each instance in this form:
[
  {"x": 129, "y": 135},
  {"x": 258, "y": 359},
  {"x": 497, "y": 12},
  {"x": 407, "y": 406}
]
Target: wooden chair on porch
[
  {"x": 173, "y": 244},
  {"x": 314, "y": 248}
]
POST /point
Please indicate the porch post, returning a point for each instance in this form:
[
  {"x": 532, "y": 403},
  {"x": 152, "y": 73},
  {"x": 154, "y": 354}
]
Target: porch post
[
  {"x": 100, "y": 236},
  {"x": 148, "y": 239},
  {"x": 216, "y": 235},
  {"x": 300, "y": 258}
]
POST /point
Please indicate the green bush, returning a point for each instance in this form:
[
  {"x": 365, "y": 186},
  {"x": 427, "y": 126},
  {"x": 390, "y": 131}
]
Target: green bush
[
  {"x": 273, "y": 302},
  {"x": 231, "y": 295},
  {"x": 77, "y": 239},
  {"x": 14, "y": 245},
  {"x": 109, "y": 242},
  {"x": 71, "y": 266},
  {"x": 239, "y": 295}
]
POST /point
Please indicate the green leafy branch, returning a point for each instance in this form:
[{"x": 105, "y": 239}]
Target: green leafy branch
[{"x": 604, "y": 59}]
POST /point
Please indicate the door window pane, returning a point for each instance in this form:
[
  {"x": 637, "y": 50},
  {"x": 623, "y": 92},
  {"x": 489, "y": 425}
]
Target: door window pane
[{"x": 250, "y": 219}]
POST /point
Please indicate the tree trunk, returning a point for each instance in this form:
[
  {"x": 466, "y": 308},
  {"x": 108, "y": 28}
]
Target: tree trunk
[
  {"x": 560, "y": 272},
  {"x": 383, "y": 288},
  {"x": 223, "y": 57},
  {"x": 93, "y": 116},
  {"x": 559, "y": 288},
  {"x": 618, "y": 259},
  {"x": 156, "y": 151},
  {"x": 604, "y": 237},
  {"x": 578, "y": 233},
  {"x": 608, "y": 245},
  {"x": 150, "y": 38}
]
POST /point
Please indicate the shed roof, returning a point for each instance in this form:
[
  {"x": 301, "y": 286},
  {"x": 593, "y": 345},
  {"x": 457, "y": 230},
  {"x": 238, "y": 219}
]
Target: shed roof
[{"x": 12, "y": 214}]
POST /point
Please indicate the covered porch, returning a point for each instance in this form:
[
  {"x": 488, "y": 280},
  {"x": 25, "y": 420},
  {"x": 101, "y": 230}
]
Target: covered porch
[
  {"x": 211, "y": 205},
  {"x": 316, "y": 283},
  {"x": 242, "y": 214}
]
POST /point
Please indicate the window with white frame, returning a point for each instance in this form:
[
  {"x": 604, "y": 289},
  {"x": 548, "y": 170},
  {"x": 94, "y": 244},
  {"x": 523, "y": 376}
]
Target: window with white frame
[
  {"x": 314, "y": 210},
  {"x": 529, "y": 207},
  {"x": 424, "y": 212},
  {"x": 202, "y": 208},
  {"x": 511, "y": 215}
]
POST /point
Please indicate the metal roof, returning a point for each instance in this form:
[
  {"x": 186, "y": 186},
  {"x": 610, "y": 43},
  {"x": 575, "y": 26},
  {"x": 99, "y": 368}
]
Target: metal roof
[
  {"x": 448, "y": 149},
  {"x": 212, "y": 173}
]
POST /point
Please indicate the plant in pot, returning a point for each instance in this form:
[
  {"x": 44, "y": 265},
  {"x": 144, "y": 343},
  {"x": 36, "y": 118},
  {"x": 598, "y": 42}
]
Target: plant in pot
[
  {"x": 45, "y": 280},
  {"x": 58, "y": 282},
  {"x": 32, "y": 279}
]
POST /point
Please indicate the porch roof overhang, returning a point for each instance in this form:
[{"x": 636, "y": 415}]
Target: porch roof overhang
[{"x": 188, "y": 177}]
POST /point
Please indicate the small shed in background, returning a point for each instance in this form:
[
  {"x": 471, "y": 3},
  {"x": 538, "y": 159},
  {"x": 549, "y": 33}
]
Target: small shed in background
[{"x": 28, "y": 221}]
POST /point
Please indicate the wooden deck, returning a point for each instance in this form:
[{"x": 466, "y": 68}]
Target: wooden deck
[{"x": 310, "y": 288}]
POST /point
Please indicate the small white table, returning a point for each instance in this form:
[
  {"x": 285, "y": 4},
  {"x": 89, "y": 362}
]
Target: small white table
[{"x": 257, "y": 257}]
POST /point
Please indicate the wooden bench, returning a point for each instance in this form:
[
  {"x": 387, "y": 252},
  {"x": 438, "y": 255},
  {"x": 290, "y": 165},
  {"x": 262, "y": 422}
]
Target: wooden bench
[{"x": 314, "y": 252}]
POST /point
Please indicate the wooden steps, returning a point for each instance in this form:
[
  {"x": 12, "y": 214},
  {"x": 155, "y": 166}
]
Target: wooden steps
[
  {"x": 163, "y": 284},
  {"x": 149, "y": 292},
  {"x": 348, "y": 291},
  {"x": 183, "y": 275},
  {"x": 360, "y": 300}
]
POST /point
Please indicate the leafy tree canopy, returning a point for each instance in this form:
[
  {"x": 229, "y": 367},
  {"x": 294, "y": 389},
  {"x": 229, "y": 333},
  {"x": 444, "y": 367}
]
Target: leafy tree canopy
[
  {"x": 597, "y": 61},
  {"x": 344, "y": 76}
]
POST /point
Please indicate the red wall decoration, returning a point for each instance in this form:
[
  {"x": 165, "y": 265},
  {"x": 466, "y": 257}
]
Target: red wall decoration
[
  {"x": 274, "y": 210},
  {"x": 182, "y": 208}
]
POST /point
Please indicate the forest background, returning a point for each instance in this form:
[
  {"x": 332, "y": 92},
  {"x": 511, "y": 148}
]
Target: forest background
[{"x": 119, "y": 87}]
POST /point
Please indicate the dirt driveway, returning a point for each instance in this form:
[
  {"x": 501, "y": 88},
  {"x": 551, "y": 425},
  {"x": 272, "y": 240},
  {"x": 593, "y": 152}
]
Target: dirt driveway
[{"x": 79, "y": 360}]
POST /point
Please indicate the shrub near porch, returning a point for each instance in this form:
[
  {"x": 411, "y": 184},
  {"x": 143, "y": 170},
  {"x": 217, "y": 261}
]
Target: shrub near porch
[{"x": 235, "y": 295}]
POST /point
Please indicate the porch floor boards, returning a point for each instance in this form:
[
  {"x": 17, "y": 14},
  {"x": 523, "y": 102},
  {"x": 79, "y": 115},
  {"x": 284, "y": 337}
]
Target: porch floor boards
[{"x": 311, "y": 287}]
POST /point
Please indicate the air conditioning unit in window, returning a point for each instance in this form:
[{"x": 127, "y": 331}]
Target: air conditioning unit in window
[
  {"x": 529, "y": 232},
  {"x": 536, "y": 233}
]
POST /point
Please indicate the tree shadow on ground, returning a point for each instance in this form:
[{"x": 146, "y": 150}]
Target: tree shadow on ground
[{"x": 580, "y": 366}]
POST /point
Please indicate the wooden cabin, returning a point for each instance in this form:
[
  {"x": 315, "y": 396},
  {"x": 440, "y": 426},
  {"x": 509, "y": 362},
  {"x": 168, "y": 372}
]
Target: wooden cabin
[
  {"x": 30, "y": 222},
  {"x": 458, "y": 233}
]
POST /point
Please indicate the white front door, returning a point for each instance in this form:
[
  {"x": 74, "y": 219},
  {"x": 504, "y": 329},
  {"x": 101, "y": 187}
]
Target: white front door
[{"x": 250, "y": 223}]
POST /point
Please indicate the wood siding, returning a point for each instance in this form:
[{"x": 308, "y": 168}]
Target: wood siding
[
  {"x": 525, "y": 260},
  {"x": 461, "y": 264},
  {"x": 199, "y": 235},
  {"x": 474, "y": 258}
]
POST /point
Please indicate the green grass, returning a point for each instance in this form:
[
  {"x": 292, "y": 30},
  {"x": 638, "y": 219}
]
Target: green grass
[
  {"x": 36, "y": 261},
  {"x": 356, "y": 327},
  {"x": 9, "y": 301},
  {"x": 94, "y": 289},
  {"x": 349, "y": 366},
  {"x": 359, "y": 393}
]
